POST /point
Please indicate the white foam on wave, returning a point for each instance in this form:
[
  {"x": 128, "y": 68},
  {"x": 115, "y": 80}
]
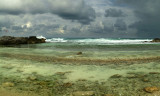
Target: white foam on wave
[
  {"x": 41, "y": 37},
  {"x": 98, "y": 40},
  {"x": 56, "y": 40},
  {"x": 114, "y": 41},
  {"x": 101, "y": 41}
]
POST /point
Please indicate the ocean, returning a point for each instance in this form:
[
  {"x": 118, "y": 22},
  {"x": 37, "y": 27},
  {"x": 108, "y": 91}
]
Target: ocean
[
  {"x": 100, "y": 41},
  {"x": 99, "y": 66}
]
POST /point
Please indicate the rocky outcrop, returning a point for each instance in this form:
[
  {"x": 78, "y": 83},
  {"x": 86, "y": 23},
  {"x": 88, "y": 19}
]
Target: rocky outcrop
[
  {"x": 156, "y": 40},
  {"x": 34, "y": 40},
  {"x": 9, "y": 40}
]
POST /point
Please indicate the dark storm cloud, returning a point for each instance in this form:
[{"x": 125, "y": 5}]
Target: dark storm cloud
[
  {"x": 120, "y": 25},
  {"x": 44, "y": 28},
  {"x": 5, "y": 22},
  {"x": 148, "y": 13},
  {"x": 96, "y": 29},
  {"x": 84, "y": 17},
  {"x": 17, "y": 28},
  {"x": 67, "y": 9},
  {"x": 105, "y": 29},
  {"x": 78, "y": 11},
  {"x": 114, "y": 13},
  {"x": 75, "y": 30},
  {"x": 40, "y": 29},
  {"x": 65, "y": 18}
]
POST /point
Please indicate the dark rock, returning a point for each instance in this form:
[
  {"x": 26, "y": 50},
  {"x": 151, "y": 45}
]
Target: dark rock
[
  {"x": 68, "y": 84},
  {"x": 132, "y": 76},
  {"x": 9, "y": 40},
  {"x": 34, "y": 40},
  {"x": 6, "y": 40},
  {"x": 32, "y": 78},
  {"x": 79, "y": 53},
  {"x": 156, "y": 40},
  {"x": 154, "y": 73},
  {"x": 20, "y": 40},
  {"x": 145, "y": 80},
  {"x": 60, "y": 73},
  {"x": 116, "y": 76}
]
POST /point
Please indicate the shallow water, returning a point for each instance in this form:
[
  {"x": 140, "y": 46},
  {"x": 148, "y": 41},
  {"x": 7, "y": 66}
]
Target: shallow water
[{"x": 121, "y": 70}]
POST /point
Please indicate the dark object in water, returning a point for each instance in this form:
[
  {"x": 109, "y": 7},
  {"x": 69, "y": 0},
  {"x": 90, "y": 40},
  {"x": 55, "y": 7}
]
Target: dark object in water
[
  {"x": 116, "y": 76},
  {"x": 154, "y": 73},
  {"x": 79, "y": 53},
  {"x": 9, "y": 40},
  {"x": 156, "y": 40},
  {"x": 68, "y": 84},
  {"x": 151, "y": 89}
]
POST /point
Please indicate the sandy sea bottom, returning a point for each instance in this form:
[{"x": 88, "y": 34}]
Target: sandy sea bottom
[{"x": 30, "y": 71}]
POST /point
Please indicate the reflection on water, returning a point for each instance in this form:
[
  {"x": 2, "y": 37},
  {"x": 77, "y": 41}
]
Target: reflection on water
[{"x": 56, "y": 70}]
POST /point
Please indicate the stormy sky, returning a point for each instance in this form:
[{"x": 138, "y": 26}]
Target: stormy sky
[{"x": 80, "y": 18}]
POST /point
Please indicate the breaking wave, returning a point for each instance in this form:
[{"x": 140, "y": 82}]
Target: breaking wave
[{"x": 98, "y": 40}]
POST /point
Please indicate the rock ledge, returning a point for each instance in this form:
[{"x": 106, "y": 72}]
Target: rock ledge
[{"x": 9, "y": 40}]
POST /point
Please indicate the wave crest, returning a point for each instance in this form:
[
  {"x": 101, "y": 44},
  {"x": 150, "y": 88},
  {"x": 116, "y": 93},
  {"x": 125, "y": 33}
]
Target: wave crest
[{"x": 100, "y": 41}]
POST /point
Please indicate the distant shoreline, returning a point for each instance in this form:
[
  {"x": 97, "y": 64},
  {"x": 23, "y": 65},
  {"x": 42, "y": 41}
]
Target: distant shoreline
[{"x": 9, "y": 40}]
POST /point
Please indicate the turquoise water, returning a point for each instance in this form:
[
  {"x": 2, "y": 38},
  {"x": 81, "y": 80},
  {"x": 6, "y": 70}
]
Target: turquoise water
[{"x": 121, "y": 69}]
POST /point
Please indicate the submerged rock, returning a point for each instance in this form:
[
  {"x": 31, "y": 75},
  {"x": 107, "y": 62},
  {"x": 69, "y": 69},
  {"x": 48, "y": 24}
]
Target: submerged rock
[
  {"x": 116, "y": 76},
  {"x": 83, "y": 93},
  {"x": 68, "y": 84},
  {"x": 19, "y": 70},
  {"x": 7, "y": 67},
  {"x": 79, "y": 53},
  {"x": 145, "y": 80},
  {"x": 8, "y": 84},
  {"x": 9, "y": 40},
  {"x": 151, "y": 89},
  {"x": 154, "y": 73},
  {"x": 60, "y": 73},
  {"x": 32, "y": 78},
  {"x": 131, "y": 76}
]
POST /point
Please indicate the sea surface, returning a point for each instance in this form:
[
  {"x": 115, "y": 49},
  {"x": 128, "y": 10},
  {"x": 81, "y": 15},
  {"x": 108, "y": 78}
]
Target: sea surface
[{"x": 99, "y": 66}]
